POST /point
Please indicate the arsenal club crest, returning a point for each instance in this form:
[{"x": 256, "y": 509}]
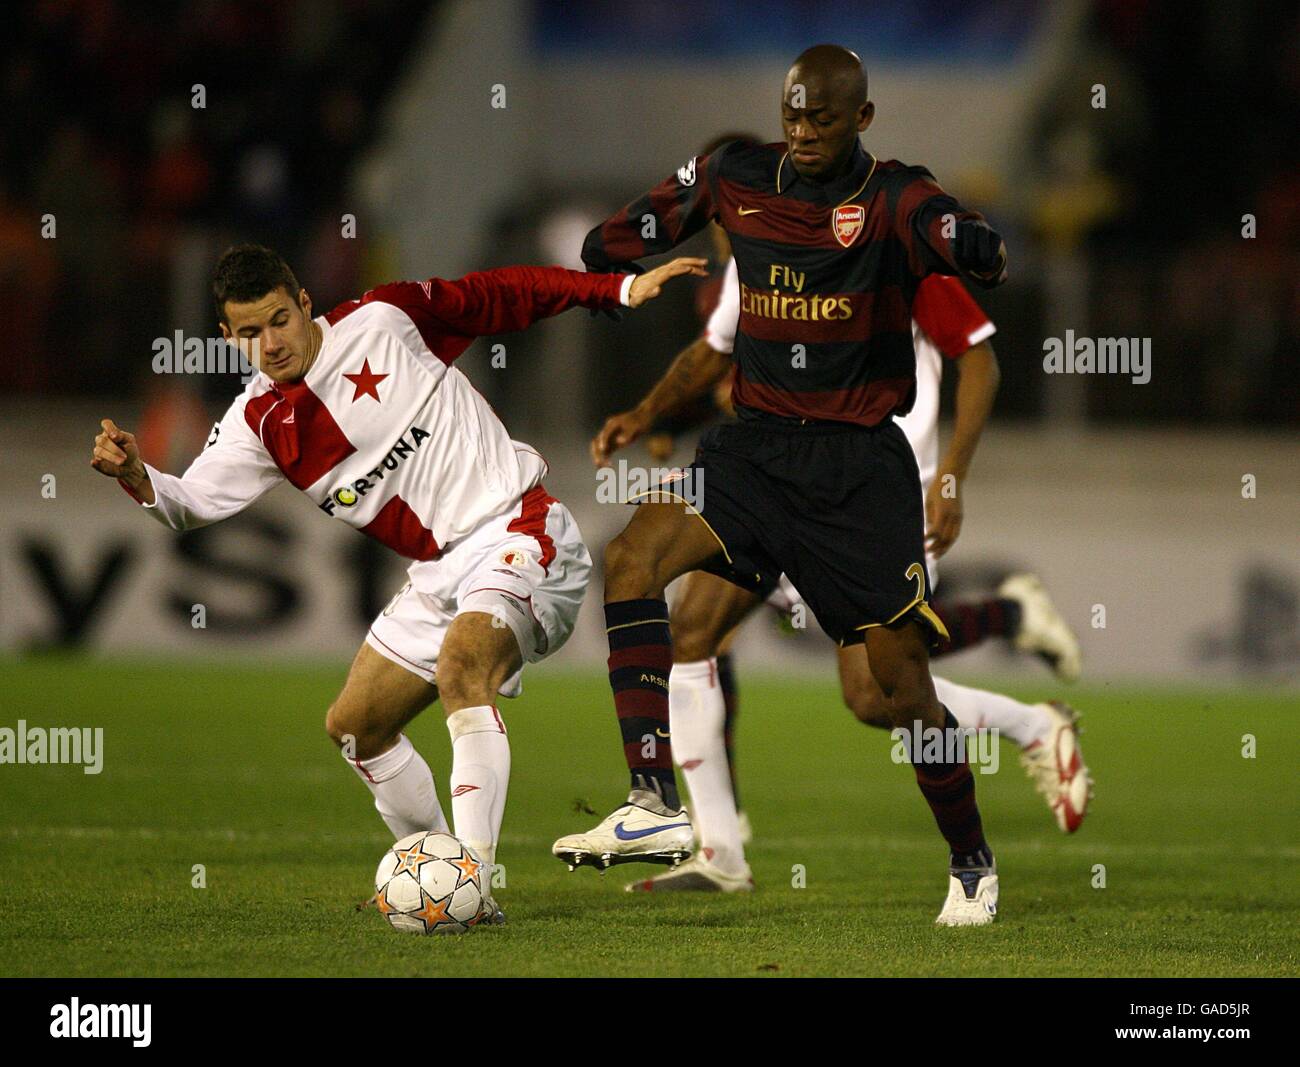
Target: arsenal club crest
[{"x": 847, "y": 222}]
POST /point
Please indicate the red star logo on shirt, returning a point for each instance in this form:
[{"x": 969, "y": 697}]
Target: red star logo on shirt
[{"x": 366, "y": 382}]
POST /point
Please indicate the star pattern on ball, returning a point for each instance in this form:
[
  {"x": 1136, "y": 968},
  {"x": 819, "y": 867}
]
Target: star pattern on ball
[
  {"x": 468, "y": 867},
  {"x": 433, "y": 913},
  {"x": 366, "y": 382},
  {"x": 411, "y": 859},
  {"x": 381, "y": 902}
]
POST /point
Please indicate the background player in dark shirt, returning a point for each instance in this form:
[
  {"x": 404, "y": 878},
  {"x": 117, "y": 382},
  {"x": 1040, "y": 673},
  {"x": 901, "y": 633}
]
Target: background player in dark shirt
[{"x": 816, "y": 480}]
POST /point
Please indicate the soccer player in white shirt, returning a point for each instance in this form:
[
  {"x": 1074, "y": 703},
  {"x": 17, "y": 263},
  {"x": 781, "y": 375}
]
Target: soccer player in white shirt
[
  {"x": 363, "y": 411},
  {"x": 947, "y": 323}
]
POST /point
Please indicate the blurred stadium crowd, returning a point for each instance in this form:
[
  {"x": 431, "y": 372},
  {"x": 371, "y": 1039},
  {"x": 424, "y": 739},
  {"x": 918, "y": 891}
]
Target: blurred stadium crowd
[
  {"x": 98, "y": 129},
  {"x": 1205, "y": 134}
]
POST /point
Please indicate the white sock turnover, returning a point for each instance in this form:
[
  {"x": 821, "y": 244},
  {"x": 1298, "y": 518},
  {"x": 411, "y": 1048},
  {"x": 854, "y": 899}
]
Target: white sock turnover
[
  {"x": 480, "y": 774},
  {"x": 978, "y": 708},
  {"x": 696, "y": 715},
  {"x": 402, "y": 783}
]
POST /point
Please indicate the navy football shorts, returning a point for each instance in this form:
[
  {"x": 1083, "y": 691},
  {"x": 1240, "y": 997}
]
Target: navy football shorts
[{"x": 836, "y": 507}]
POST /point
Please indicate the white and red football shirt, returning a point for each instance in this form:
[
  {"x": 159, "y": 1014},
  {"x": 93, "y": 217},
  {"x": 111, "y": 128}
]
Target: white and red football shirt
[
  {"x": 383, "y": 432},
  {"x": 946, "y": 322}
]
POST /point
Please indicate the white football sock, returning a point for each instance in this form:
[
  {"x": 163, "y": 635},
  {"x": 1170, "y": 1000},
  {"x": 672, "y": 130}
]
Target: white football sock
[
  {"x": 696, "y": 715},
  {"x": 979, "y": 709},
  {"x": 480, "y": 773},
  {"x": 403, "y": 786}
]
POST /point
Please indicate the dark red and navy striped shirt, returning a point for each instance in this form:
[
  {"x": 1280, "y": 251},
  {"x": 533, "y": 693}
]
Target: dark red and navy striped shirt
[{"x": 827, "y": 272}]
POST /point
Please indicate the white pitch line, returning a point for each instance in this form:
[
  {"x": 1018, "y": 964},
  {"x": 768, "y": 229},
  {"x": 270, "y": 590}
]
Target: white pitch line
[{"x": 763, "y": 846}]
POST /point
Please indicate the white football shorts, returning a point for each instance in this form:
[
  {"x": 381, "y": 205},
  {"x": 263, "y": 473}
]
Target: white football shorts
[{"x": 528, "y": 569}]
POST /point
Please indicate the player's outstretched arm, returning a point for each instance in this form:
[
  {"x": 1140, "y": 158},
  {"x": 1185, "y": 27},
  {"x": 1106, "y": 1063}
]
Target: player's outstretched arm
[
  {"x": 942, "y": 237},
  {"x": 696, "y": 370},
  {"x": 231, "y": 472},
  {"x": 650, "y": 284},
  {"x": 513, "y": 298},
  {"x": 977, "y": 385},
  {"x": 117, "y": 455},
  {"x": 657, "y": 221}
]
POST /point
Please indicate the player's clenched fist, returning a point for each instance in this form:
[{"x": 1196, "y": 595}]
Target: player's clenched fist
[
  {"x": 980, "y": 249},
  {"x": 647, "y": 286},
  {"x": 116, "y": 455}
]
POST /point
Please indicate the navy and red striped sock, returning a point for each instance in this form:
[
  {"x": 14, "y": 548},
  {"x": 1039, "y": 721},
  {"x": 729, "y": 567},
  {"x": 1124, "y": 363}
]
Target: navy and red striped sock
[
  {"x": 731, "y": 700},
  {"x": 640, "y": 658},
  {"x": 970, "y": 622},
  {"x": 949, "y": 789}
]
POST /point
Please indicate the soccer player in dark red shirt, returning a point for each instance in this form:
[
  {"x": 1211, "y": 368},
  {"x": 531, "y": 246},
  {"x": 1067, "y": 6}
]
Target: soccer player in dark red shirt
[{"x": 815, "y": 479}]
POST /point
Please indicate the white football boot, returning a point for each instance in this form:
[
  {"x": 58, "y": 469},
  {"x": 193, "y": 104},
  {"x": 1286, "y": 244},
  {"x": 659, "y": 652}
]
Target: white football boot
[
  {"x": 697, "y": 874},
  {"x": 641, "y": 831},
  {"x": 491, "y": 915},
  {"x": 1055, "y": 763},
  {"x": 972, "y": 899},
  {"x": 1042, "y": 629}
]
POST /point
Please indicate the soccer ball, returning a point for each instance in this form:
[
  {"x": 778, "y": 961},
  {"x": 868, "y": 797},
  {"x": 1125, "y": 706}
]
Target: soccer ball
[{"x": 430, "y": 883}]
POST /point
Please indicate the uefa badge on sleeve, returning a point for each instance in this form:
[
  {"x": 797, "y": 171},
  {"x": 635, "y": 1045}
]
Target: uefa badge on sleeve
[{"x": 847, "y": 222}]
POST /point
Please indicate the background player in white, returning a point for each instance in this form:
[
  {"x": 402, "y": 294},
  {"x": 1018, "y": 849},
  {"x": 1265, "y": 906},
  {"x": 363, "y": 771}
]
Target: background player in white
[
  {"x": 362, "y": 410},
  {"x": 946, "y": 323}
]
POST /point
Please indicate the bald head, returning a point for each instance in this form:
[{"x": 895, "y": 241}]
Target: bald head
[
  {"x": 833, "y": 69},
  {"x": 824, "y": 107}
]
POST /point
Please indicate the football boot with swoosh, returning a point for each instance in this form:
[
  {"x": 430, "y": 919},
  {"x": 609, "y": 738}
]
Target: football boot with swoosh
[{"x": 643, "y": 830}]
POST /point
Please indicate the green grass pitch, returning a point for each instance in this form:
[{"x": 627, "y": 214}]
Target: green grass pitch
[{"x": 229, "y": 767}]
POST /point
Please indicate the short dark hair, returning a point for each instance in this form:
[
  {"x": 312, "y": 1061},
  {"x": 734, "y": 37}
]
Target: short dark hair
[{"x": 248, "y": 272}]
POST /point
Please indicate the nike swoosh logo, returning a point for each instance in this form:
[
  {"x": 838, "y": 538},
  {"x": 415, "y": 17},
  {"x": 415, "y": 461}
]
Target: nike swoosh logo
[
  {"x": 633, "y": 835},
  {"x": 748, "y": 210}
]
